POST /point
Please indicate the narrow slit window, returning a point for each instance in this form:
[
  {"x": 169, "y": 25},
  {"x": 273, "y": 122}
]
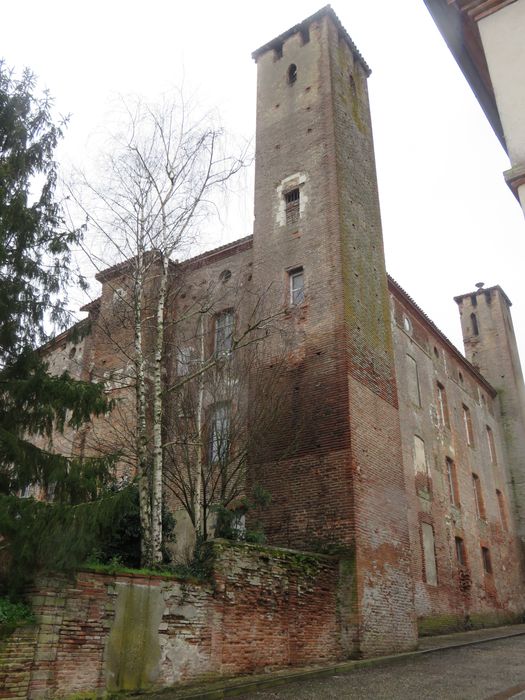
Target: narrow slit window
[
  {"x": 413, "y": 381},
  {"x": 452, "y": 482},
  {"x": 292, "y": 200},
  {"x": 478, "y": 497},
  {"x": 429, "y": 554},
  {"x": 467, "y": 420},
  {"x": 292, "y": 74},
  {"x": 474, "y": 324},
  {"x": 296, "y": 286},
  {"x": 492, "y": 445},
  {"x": 460, "y": 552},
  {"x": 487, "y": 564},
  {"x": 442, "y": 405},
  {"x": 502, "y": 511}
]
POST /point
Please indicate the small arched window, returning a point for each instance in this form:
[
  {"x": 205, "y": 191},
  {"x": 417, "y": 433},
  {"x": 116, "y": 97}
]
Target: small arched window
[
  {"x": 292, "y": 74},
  {"x": 474, "y": 324}
]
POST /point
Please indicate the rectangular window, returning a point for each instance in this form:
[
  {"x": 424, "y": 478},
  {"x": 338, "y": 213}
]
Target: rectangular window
[
  {"x": 467, "y": 420},
  {"x": 452, "y": 482},
  {"x": 502, "y": 511},
  {"x": 478, "y": 497},
  {"x": 292, "y": 206},
  {"x": 413, "y": 381},
  {"x": 220, "y": 433},
  {"x": 487, "y": 564},
  {"x": 183, "y": 361},
  {"x": 460, "y": 552},
  {"x": 429, "y": 554},
  {"x": 420, "y": 458},
  {"x": 442, "y": 405},
  {"x": 296, "y": 286},
  {"x": 224, "y": 332},
  {"x": 492, "y": 445}
]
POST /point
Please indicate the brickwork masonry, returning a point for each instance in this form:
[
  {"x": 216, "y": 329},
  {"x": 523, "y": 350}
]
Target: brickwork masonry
[{"x": 263, "y": 608}]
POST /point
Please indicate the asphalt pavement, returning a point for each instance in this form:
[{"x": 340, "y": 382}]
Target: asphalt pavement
[{"x": 494, "y": 670}]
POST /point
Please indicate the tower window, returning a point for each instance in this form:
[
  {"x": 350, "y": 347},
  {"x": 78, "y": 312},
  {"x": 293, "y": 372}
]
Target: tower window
[
  {"x": 292, "y": 205},
  {"x": 296, "y": 286},
  {"x": 474, "y": 324},
  {"x": 292, "y": 74}
]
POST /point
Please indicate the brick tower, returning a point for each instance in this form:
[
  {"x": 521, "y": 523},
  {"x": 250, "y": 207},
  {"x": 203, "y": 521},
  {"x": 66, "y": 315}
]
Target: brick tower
[
  {"x": 318, "y": 243},
  {"x": 490, "y": 344}
]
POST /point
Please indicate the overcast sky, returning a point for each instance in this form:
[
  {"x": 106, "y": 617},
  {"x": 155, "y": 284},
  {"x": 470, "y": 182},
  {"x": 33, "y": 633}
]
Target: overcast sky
[{"x": 449, "y": 219}]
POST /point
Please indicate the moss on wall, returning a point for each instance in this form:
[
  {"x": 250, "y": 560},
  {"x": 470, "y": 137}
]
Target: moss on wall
[
  {"x": 133, "y": 652},
  {"x": 443, "y": 624}
]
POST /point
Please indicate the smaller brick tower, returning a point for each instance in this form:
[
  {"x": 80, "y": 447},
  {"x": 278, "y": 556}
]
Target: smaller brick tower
[{"x": 490, "y": 344}]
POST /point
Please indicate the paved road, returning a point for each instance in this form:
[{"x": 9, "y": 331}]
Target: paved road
[{"x": 494, "y": 670}]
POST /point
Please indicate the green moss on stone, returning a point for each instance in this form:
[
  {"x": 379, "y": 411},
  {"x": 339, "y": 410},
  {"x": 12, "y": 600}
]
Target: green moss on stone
[{"x": 444, "y": 624}]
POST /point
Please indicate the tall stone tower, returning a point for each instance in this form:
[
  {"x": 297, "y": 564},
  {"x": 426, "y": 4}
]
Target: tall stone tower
[
  {"x": 490, "y": 344},
  {"x": 318, "y": 248}
]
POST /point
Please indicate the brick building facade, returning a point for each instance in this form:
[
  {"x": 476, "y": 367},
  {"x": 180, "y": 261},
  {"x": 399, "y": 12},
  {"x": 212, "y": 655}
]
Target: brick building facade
[{"x": 409, "y": 455}]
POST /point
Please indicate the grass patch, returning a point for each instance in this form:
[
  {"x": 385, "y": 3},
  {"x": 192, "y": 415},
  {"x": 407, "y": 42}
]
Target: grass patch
[{"x": 13, "y": 615}]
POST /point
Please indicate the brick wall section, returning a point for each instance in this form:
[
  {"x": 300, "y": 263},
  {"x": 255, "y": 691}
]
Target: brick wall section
[
  {"x": 264, "y": 607},
  {"x": 16, "y": 661},
  {"x": 295, "y": 596}
]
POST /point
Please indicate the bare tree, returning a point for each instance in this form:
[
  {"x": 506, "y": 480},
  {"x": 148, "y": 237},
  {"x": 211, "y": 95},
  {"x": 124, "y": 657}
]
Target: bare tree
[
  {"x": 161, "y": 176},
  {"x": 216, "y": 427}
]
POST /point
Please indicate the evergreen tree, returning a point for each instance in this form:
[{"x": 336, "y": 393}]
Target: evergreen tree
[{"x": 35, "y": 270}]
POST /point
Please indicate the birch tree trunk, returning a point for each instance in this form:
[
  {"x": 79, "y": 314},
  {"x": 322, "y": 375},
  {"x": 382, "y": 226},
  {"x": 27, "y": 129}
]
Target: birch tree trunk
[
  {"x": 140, "y": 399},
  {"x": 157, "y": 472},
  {"x": 200, "y": 517}
]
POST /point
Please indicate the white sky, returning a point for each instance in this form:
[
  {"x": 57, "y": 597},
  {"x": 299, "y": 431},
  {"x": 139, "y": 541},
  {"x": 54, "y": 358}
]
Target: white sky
[{"x": 449, "y": 219}]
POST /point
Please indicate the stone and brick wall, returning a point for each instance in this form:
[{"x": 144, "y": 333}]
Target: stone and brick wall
[{"x": 262, "y": 608}]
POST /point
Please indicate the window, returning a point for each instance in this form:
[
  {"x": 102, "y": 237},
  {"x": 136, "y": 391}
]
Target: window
[
  {"x": 292, "y": 74},
  {"x": 224, "y": 332},
  {"x": 502, "y": 512},
  {"x": 292, "y": 201},
  {"x": 420, "y": 458},
  {"x": 474, "y": 324},
  {"x": 183, "y": 361},
  {"x": 467, "y": 420},
  {"x": 296, "y": 286},
  {"x": 442, "y": 405},
  {"x": 487, "y": 564},
  {"x": 429, "y": 554},
  {"x": 220, "y": 433},
  {"x": 407, "y": 324},
  {"x": 460, "y": 551},
  {"x": 452, "y": 482},
  {"x": 492, "y": 445},
  {"x": 413, "y": 381},
  {"x": 478, "y": 497}
]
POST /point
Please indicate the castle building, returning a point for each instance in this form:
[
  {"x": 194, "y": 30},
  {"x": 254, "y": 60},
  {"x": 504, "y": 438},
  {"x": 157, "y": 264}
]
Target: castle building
[{"x": 410, "y": 456}]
